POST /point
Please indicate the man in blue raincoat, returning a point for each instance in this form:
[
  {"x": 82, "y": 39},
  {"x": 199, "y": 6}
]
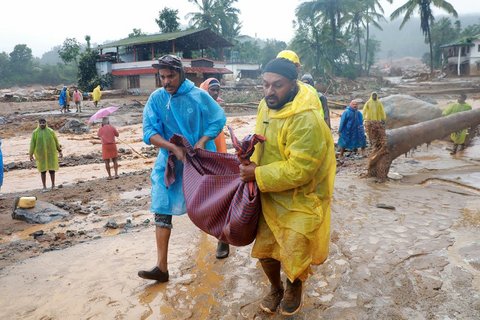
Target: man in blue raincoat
[
  {"x": 351, "y": 133},
  {"x": 63, "y": 100},
  {"x": 177, "y": 108}
]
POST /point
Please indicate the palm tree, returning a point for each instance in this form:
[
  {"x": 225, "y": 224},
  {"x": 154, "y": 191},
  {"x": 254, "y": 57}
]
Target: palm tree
[
  {"x": 372, "y": 16},
  {"x": 327, "y": 15},
  {"x": 219, "y": 15},
  {"x": 426, "y": 17},
  {"x": 205, "y": 17}
]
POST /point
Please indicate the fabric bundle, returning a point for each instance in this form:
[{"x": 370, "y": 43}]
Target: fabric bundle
[{"x": 218, "y": 201}]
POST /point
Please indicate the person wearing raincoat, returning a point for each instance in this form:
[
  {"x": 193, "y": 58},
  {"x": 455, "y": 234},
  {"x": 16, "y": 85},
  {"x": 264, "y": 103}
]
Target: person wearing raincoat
[
  {"x": 458, "y": 137},
  {"x": 177, "y": 108},
  {"x": 44, "y": 147},
  {"x": 212, "y": 86},
  {"x": 96, "y": 95},
  {"x": 295, "y": 171},
  {"x": 63, "y": 100},
  {"x": 308, "y": 79},
  {"x": 293, "y": 57},
  {"x": 351, "y": 133},
  {"x": 374, "y": 117}
]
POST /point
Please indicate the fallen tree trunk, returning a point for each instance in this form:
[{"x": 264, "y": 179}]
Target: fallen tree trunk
[{"x": 401, "y": 140}]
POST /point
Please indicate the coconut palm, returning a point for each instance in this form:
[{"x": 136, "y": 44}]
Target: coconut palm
[
  {"x": 205, "y": 17},
  {"x": 219, "y": 15},
  {"x": 426, "y": 17},
  {"x": 372, "y": 17}
]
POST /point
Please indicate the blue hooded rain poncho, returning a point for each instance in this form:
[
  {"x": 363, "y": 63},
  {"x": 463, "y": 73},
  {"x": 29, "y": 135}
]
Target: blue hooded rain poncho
[
  {"x": 62, "y": 99},
  {"x": 190, "y": 112},
  {"x": 351, "y": 130}
]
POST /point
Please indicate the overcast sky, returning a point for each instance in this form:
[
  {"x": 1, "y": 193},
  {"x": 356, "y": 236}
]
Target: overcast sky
[{"x": 41, "y": 25}]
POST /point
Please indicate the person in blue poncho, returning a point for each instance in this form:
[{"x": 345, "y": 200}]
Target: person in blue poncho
[
  {"x": 177, "y": 108},
  {"x": 63, "y": 100},
  {"x": 351, "y": 131}
]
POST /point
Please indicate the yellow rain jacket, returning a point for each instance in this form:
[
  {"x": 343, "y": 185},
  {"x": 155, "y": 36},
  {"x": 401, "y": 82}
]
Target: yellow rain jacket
[
  {"x": 96, "y": 94},
  {"x": 45, "y": 146},
  {"x": 459, "y": 136},
  {"x": 295, "y": 174},
  {"x": 373, "y": 110}
]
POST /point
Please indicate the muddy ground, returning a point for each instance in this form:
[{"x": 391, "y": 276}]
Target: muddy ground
[{"x": 405, "y": 249}]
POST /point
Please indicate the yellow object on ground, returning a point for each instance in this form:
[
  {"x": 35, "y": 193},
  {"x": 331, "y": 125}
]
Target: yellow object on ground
[
  {"x": 295, "y": 174},
  {"x": 26, "y": 202},
  {"x": 373, "y": 110},
  {"x": 459, "y": 136},
  {"x": 96, "y": 94}
]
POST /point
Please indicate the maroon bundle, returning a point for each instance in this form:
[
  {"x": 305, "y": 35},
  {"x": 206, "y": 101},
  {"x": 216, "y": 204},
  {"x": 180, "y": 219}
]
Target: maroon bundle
[{"x": 218, "y": 202}]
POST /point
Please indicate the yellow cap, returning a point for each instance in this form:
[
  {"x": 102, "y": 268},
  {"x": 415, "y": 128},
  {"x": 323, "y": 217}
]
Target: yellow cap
[{"x": 290, "y": 55}]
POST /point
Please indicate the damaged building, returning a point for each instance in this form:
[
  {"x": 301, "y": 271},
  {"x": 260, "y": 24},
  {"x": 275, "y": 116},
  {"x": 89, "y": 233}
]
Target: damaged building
[
  {"x": 462, "y": 57},
  {"x": 130, "y": 60}
]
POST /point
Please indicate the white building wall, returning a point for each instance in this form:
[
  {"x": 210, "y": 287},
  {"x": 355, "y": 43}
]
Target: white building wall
[{"x": 475, "y": 58}]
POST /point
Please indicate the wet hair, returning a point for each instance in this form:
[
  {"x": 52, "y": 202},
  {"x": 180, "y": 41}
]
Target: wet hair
[{"x": 42, "y": 120}]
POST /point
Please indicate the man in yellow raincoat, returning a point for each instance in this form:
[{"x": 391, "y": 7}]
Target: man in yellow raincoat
[
  {"x": 458, "y": 137},
  {"x": 96, "y": 95},
  {"x": 293, "y": 57},
  {"x": 43, "y": 149},
  {"x": 375, "y": 117},
  {"x": 295, "y": 171}
]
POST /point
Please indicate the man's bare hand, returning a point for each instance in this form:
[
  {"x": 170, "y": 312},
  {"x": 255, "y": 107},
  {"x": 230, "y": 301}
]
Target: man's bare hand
[
  {"x": 247, "y": 172},
  {"x": 199, "y": 145},
  {"x": 179, "y": 152}
]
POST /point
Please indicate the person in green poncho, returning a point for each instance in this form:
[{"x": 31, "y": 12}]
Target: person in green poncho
[
  {"x": 43, "y": 149},
  {"x": 458, "y": 137}
]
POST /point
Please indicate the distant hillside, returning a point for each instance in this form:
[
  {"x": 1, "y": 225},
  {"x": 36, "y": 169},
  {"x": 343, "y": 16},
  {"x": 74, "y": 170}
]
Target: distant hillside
[{"x": 409, "y": 42}]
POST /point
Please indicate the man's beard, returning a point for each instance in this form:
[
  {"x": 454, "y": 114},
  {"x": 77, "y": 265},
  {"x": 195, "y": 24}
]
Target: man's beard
[{"x": 289, "y": 97}]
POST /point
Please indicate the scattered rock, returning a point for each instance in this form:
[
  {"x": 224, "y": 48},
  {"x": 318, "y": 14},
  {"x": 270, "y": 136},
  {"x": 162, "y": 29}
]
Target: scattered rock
[
  {"x": 384, "y": 206},
  {"x": 37, "y": 234},
  {"x": 111, "y": 224},
  {"x": 74, "y": 126},
  {"x": 43, "y": 212},
  {"x": 403, "y": 110}
]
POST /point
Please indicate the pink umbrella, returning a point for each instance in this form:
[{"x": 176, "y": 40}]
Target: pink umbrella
[{"x": 104, "y": 112}]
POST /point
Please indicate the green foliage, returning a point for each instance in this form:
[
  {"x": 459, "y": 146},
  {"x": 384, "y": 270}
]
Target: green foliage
[
  {"x": 426, "y": 17},
  {"x": 442, "y": 32},
  {"x": 219, "y": 15},
  {"x": 21, "y": 60},
  {"x": 87, "y": 71},
  {"x": 19, "y": 68},
  {"x": 245, "y": 52},
  {"x": 270, "y": 50},
  {"x": 168, "y": 20},
  {"x": 471, "y": 31},
  {"x": 70, "y": 50},
  {"x": 87, "y": 39},
  {"x": 136, "y": 33}
]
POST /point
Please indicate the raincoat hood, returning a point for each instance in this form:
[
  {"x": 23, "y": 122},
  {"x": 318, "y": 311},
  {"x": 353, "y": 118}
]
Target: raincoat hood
[
  {"x": 185, "y": 87},
  {"x": 373, "y": 110}
]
